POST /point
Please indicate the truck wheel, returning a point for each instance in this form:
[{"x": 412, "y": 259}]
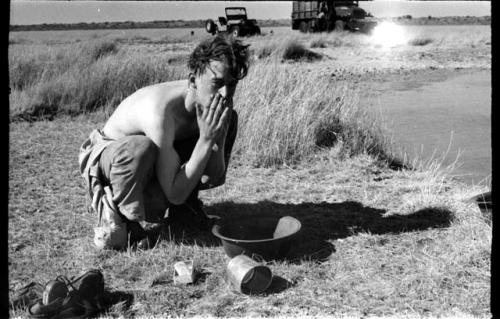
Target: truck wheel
[
  {"x": 304, "y": 27},
  {"x": 312, "y": 26},
  {"x": 257, "y": 30},
  {"x": 235, "y": 32},
  {"x": 322, "y": 25},
  {"x": 210, "y": 26},
  {"x": 339, "y": 25}
]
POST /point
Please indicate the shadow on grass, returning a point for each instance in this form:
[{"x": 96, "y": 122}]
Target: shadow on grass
[
  {"x": 323, "y": 222},
  {"x": 117, "y": 301},
  {"x": 278, "y": 284}
]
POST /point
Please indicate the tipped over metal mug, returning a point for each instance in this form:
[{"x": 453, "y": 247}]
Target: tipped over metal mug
[{"x": 248, "y": 276}]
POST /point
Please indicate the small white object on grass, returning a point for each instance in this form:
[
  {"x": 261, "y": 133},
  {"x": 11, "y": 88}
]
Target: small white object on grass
[
  {"x": 285, "y": 224},
  {"x": 184, "y": 272}
]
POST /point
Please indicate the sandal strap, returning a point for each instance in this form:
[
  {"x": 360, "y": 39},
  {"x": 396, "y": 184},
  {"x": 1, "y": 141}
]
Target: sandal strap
[
  {"x": 63, "y": 278},
  {"x": 74, "y": 280}
]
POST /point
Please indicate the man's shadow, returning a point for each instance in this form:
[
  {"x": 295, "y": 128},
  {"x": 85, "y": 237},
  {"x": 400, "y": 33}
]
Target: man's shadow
[
  {"x": 321, "y": 223},
  {"x": 116, "y": 300}
]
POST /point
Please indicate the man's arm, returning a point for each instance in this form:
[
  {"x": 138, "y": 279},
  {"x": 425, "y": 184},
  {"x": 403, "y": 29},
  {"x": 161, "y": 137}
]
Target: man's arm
[
  {"x": 179, "y": 181},
  {"x": 214, "y": 174}
]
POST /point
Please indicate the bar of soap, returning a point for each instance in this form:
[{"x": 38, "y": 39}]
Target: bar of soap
[{"x": 184, "y": 272}]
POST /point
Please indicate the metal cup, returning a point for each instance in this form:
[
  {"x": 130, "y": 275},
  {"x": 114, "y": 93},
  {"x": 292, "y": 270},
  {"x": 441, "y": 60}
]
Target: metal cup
[{"x": 248, "y": 276}]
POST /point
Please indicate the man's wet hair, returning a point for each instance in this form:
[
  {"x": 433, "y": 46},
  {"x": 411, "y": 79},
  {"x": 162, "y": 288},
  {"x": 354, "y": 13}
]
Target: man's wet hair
[{"x": 222, "y": 48}]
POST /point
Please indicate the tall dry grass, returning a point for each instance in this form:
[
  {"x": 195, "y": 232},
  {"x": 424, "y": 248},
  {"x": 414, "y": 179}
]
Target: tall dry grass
[
  {"x": 80, "y": 77},
  {"x": 288, "y": 112}
]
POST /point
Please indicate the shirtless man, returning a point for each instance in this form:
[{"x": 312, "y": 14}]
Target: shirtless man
[{"x": 162, "y": 144}]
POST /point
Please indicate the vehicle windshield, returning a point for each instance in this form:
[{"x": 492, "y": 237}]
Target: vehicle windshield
[{"x": 236, "y": 11}]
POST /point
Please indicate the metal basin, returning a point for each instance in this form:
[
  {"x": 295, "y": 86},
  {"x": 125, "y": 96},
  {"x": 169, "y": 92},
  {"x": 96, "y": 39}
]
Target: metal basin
[{"x": 266, "y": 237}]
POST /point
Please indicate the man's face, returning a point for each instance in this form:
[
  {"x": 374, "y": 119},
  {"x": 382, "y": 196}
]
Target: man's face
[{"x": 217, "y": 78}]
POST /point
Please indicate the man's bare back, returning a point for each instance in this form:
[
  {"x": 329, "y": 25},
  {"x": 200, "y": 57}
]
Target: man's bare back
[{"x": 152, "y": 103}]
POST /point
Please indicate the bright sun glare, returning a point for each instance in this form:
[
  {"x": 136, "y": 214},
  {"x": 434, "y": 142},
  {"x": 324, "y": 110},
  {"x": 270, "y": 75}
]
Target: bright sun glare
[{"x": 388, "y": 34}]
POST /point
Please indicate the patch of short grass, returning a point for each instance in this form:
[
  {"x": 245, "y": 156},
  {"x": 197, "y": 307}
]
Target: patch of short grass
[
  {"x": 318, "y": 43},
  {"x": 335, "y": 40},
  {"x": 283, "y": 49},
  {"x": 420, "y": 41},
  {"x": 100, "y": 49}
]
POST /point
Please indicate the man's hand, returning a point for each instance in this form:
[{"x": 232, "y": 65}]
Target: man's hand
[{"x": 213, "y": 120}]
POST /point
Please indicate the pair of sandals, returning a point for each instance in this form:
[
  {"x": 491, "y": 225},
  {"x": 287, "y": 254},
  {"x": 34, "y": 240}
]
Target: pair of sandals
[{"x": 64, "y": 298}]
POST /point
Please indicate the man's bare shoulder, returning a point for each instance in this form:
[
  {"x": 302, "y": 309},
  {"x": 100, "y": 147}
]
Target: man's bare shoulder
[
  {"x": 160, "y": 99},
  {"x": 146, "y": 108},
  {"x": 156, "y": 95}
]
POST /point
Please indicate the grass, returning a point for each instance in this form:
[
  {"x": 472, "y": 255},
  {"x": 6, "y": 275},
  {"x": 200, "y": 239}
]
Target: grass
[
  {"x": 80, "y": 78},
  {"x": 288, "y": 48},
  {"x": 374, "y": 241},
  {"x": 318, "y": 43},
  {"x": 420, "y": 41},
  {"x": 43, "y": 76},
  {"x": 297, "y": 113},
  {"x": 361, "y": 252}
]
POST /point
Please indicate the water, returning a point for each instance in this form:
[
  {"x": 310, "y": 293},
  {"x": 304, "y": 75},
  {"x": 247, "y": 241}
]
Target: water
[
  {"x": 37, "y": 12},
  {"x": 454, "y": 114}
]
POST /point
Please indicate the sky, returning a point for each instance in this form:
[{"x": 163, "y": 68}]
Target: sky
[{"x": 38, "y": 11}]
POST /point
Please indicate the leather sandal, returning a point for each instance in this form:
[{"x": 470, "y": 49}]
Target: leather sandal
[
  {"x": 80, "y": 297},
  {"x": 54, "y": 297}
]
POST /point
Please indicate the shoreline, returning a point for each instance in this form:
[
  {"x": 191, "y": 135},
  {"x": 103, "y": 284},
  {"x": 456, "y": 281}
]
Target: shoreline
[
  {"x": 449, "y": 129},
  {"x": 174, "y": 24}
]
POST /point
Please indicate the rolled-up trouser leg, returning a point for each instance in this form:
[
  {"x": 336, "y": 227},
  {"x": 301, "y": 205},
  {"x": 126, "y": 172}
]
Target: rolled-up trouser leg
[{"x": 128, "y": 166}]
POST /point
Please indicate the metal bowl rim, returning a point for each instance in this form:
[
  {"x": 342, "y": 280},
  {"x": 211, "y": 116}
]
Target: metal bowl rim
[{"x": 215, "y": 231}]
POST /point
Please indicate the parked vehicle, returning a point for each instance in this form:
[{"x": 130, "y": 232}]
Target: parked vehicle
[
  {"x": 329, "y": 15},
  {"x": 235, "y": 22}
]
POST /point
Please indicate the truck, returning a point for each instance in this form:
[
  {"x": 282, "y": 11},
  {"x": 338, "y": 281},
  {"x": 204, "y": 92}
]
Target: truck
[
  {"x": 235, "y": 22},
  {"x": 329, "y": 15}
]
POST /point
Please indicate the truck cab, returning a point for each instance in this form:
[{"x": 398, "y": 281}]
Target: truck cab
[{"x": 329, "y": 15}]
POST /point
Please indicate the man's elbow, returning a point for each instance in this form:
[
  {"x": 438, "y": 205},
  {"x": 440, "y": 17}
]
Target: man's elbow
[{"x": 208, "y": 182}]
